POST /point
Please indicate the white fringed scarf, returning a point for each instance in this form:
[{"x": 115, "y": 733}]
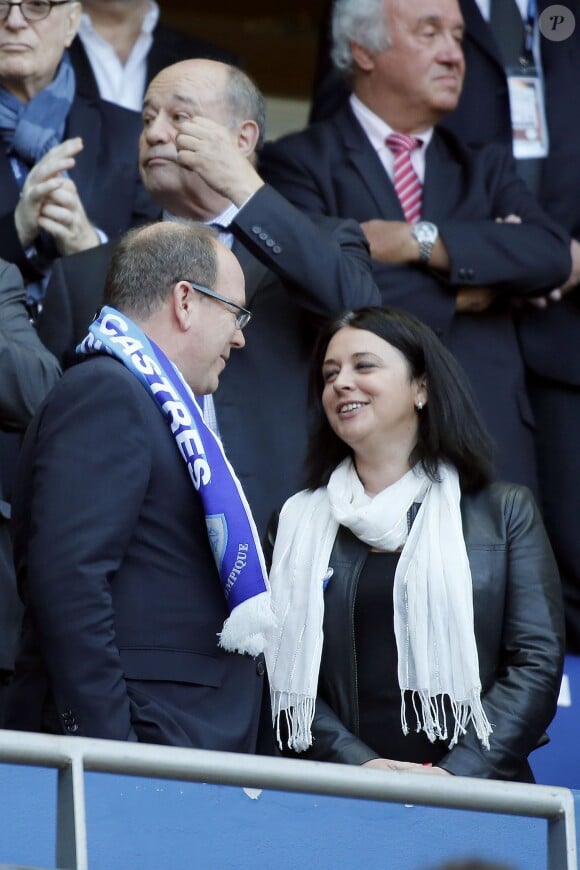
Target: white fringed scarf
[{"x": 432, "y": 596}]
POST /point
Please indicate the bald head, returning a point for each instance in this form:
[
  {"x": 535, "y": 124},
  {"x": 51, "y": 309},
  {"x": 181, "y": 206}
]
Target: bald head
[{"x": 192, "y": 88}]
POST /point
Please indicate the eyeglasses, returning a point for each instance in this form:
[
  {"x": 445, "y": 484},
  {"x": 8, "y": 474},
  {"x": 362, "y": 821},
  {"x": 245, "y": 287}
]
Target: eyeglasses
[
  {"x": 242, "y": 315},
  {"x": 31, "y": 10}
]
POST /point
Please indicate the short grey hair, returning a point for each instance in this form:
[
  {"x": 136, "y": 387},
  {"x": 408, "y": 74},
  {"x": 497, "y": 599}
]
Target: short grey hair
[
  {"x": 245, "y": 101},
  {"x": 360, "y": 21},
  {"x": 151, "y": 260}
]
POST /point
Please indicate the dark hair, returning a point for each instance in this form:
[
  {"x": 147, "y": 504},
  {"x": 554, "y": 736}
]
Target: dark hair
[
  {"x": 149, "y": 262},
  {"x": 450, "y": 429}
]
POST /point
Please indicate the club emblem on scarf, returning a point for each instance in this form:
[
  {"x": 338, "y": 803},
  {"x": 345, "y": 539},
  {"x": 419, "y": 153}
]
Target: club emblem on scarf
[{"x": 217, "y": 530}]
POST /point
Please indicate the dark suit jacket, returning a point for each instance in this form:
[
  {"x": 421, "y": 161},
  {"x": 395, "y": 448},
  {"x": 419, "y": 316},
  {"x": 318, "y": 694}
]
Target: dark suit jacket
[
  {"x": 106, "y": 175},
  {"x": 331, "y": 168},
  {"x": 296, "y": 272},
  {"x": 27, "y": 372},
  {"x": 169, "y": 46},
  {"x": 549, "y": 338},
  {"x": 122, "y": 598}
]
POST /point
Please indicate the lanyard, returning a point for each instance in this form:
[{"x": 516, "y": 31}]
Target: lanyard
[{"x": 529, "y": 24}]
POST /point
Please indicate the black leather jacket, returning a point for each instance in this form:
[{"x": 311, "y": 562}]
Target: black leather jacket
[{"x": 519, "y": 633}]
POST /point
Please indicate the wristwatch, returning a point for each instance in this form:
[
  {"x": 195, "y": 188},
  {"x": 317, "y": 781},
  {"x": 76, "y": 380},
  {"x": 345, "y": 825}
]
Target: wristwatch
[{"x": 426, "y": 234}]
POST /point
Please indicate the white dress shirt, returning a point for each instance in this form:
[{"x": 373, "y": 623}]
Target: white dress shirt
[{"x": 120, "y": 83}]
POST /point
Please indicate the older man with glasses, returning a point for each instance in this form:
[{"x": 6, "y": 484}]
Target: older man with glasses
[
  {"x": 137, "y": 555},
  {"x": 67, "y": 168}
]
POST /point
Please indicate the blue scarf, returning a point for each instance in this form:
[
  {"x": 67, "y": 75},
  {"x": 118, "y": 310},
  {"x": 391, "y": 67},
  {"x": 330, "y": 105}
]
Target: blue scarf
[
  {"x": 29, "y": 130},
  {"x": 230, "y": 525}
]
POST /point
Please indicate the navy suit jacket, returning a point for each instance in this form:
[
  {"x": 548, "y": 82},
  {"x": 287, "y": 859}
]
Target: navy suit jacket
[
  {"x": 331, "y": 168},
  {"x": 297, "y": 271},
  {"x": 123, "y": 603},
  {"x": 106, "y": 175},
  {"x": 169, "y": 46}
]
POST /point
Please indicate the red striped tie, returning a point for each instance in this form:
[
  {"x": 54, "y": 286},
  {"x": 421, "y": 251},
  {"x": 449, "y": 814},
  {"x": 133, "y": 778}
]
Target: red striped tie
[{"x": 407, "y": 183}]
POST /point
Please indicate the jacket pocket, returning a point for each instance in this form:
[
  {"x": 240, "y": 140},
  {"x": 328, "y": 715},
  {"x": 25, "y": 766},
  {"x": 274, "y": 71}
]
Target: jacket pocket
[{"x": 172, "y": 665}]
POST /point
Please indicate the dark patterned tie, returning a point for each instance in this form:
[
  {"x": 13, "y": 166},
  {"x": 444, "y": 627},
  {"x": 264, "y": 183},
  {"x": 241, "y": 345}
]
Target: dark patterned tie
[{"x": 406, "y": 181}]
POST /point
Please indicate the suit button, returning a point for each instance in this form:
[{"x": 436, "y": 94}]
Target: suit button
[
  {"x": 260, "y": 669},
  {"x": 256, "y": 229},
  {"x": 276, "y": 249},
  {"x": 263, "y": 236},
  {"x": 270, "y": 243},
  {"x": 72, "y": 727},
  {"x": 470, "y": 274},
  {"x": 462, "y": 273}
]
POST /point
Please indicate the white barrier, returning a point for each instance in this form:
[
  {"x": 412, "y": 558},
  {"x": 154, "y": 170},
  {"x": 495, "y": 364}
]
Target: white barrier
[{"x": 72, "y": 757}]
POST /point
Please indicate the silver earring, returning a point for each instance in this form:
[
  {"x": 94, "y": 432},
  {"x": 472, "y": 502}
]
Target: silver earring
[{"x": 419, "y": 406}]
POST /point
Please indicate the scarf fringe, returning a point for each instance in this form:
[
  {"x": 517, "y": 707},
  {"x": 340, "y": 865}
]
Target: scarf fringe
[
  {"x": 431, "y": 717},
  {"x": 298, "y": 713},
  {"x": 247, "y": 626}
]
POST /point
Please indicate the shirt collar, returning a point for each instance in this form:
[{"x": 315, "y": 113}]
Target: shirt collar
[{"x": 376, "y": 129}]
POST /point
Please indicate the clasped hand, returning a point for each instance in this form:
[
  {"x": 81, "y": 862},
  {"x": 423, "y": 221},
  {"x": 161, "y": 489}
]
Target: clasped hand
[
  {"x": 405, "y": 767},
  {"x": 50, "y": 201}
]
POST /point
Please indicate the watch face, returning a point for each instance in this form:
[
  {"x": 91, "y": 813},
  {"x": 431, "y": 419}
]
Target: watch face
[{"x": 425, "y": 232}]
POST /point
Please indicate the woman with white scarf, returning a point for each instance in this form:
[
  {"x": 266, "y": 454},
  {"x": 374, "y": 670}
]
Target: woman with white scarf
[{"x": 420, "y": 622}]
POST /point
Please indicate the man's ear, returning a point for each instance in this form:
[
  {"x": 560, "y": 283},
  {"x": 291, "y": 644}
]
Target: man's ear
[
  {"x": 73, "y": 22},
  {"x": 183, "y": 302},
  {"x": 247, "y": 137},
  {"x": 362, "y": 57}
]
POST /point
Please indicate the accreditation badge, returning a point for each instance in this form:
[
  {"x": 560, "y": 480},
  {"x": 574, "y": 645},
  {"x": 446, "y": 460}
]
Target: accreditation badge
[{"x": 528, "y": 113}]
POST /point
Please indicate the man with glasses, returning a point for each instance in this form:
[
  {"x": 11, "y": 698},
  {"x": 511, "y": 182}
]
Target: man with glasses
[
  {"x": 137, "y": 556},
  {"x": 203, "y": 123},
  {"x": 68, "y": 175}
]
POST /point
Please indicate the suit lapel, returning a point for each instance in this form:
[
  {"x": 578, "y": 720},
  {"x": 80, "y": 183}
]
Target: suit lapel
[
  {"x": 372, "y": 173},
  {"x": 478, "y": 30},
  {"x": 159, "y": 56},
  {"x": 442, "y": 180},
  {"x": 85, "y": 78},
  {"x": 85, "y": 121}
]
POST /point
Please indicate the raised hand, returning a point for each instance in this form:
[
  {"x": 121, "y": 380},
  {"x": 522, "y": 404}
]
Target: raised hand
[
  {"x": 219, "y": 156},
  {"x": 42, "y": 180},
  {"x": 62, "y": 214}
]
